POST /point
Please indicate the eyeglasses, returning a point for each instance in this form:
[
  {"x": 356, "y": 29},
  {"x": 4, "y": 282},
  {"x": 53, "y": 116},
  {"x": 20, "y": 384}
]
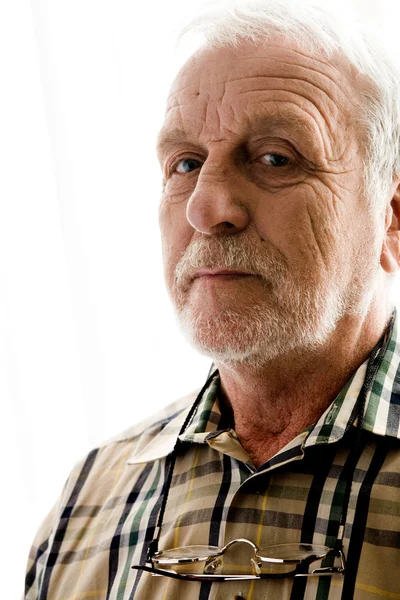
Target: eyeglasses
[{"x": 206, "y": 563}]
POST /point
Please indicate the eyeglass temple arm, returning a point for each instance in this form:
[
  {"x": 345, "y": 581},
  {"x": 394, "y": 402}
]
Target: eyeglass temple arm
[{"x": 327, "y": 570}]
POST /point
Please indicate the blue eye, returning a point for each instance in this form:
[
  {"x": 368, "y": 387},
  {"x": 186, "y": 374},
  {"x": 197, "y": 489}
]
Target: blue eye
[
  {"x": 187, "y": 165},
  {"x": 276, "y": 160}
]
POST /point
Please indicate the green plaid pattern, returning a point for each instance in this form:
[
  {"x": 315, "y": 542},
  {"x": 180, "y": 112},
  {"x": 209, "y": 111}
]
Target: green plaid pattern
[{"x": 106, "y": 516}]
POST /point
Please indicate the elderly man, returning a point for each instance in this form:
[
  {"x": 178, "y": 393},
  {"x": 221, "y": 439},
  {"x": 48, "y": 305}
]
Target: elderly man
[{"x": 280, "y": 218}]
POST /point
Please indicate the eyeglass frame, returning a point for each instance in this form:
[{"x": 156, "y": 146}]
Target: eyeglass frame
[
  {"x": 298, "y": 571},
  {"x": 358, "y": 413}
]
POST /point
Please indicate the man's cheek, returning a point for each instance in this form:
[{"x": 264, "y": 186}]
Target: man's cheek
[
  {"x": 171, "y": 217},
  {"x": 175, "y": 240},
  {"x": 179, "y": 188}
]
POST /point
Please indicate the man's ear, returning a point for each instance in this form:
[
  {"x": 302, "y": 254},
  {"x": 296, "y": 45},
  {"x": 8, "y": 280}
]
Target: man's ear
[{"x": 390, "y": 255}]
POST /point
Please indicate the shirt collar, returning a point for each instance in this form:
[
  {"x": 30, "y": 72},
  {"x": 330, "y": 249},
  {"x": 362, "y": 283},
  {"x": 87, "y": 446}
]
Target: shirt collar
[
  {"x": 382, "y": 410},
  {"x": 204, "y": 426},
  {"x": 382, "y": 413},
  {"x": 208, "y": 418},
  {"x": 160, "y": 438}
]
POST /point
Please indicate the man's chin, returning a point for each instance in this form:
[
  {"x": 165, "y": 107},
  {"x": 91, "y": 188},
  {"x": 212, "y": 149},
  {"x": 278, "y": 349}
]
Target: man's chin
[
  {"x": 226, "y": 354},
  {"x": 231, "y": 338},
  {"x": 253, "y": 337}
]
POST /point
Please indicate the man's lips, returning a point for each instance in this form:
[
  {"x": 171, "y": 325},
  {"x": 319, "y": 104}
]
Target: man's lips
[{"x": 221, "y": 273}]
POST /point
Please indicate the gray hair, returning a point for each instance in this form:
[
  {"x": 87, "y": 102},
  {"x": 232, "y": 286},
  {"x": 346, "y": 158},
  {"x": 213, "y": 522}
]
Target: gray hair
[{"x": 317, "y": 27}]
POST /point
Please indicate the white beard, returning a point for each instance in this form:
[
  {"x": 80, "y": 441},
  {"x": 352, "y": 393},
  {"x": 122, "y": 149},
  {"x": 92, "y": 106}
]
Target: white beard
[{"x": 292, "y": 314}]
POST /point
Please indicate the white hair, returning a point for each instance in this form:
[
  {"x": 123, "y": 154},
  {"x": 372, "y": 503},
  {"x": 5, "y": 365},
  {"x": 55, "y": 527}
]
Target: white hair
[{"x": 320, "y": 28}]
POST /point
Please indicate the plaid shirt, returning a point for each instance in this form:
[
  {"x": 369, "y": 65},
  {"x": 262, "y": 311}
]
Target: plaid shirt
[{"x": 107, "y": 513}]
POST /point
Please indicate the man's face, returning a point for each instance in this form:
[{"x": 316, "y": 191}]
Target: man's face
[{"x": 263, "y": 179}]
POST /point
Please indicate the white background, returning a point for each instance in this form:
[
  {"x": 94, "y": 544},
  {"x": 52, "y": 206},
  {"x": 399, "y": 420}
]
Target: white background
[{"x": 88, "y": 341}]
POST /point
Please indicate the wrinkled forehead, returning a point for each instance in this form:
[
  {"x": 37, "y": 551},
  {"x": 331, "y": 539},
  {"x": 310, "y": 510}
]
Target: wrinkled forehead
[
  {"x": 224, "y": 90},
  {"x": 280, "y": 58}
]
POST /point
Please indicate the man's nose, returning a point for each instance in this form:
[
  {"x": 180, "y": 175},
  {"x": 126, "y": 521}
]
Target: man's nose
[{"x": 216, "y": 205}]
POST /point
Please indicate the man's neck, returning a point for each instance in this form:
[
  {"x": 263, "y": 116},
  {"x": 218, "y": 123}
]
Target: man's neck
[{"x": 273, "y": 404}]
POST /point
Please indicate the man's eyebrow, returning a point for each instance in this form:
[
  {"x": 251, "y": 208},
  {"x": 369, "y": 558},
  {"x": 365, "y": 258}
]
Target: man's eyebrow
[
  {"x": 263, "y": 123},
  {"x": 170, "y": 137},
  {"x": 300, "y": 132}
]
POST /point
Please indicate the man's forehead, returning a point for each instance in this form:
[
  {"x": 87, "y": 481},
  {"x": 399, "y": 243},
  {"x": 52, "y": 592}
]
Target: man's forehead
[
  {"x": 235, "y": 93},
  {"x": 235, "y": 75},
  {"x": 279, "y": 57}
]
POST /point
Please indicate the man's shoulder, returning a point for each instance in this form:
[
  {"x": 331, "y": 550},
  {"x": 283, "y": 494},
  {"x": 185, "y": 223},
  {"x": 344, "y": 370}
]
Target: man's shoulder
[
  {"x": 90, "y": 487},
  {"x": 147, "y": 441}
]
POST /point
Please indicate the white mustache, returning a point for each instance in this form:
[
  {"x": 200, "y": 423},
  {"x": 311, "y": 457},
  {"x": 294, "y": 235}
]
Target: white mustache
[{"x": 229, "y": 253}]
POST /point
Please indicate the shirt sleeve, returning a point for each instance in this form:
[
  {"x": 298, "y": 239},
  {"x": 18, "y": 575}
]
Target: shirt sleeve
[
  {"x": 38, "y": 555},
  {"x": 42, "y": 553}
]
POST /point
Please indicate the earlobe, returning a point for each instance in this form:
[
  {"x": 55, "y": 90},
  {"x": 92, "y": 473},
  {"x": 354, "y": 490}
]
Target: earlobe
[{"x": 390, "y": 255}]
